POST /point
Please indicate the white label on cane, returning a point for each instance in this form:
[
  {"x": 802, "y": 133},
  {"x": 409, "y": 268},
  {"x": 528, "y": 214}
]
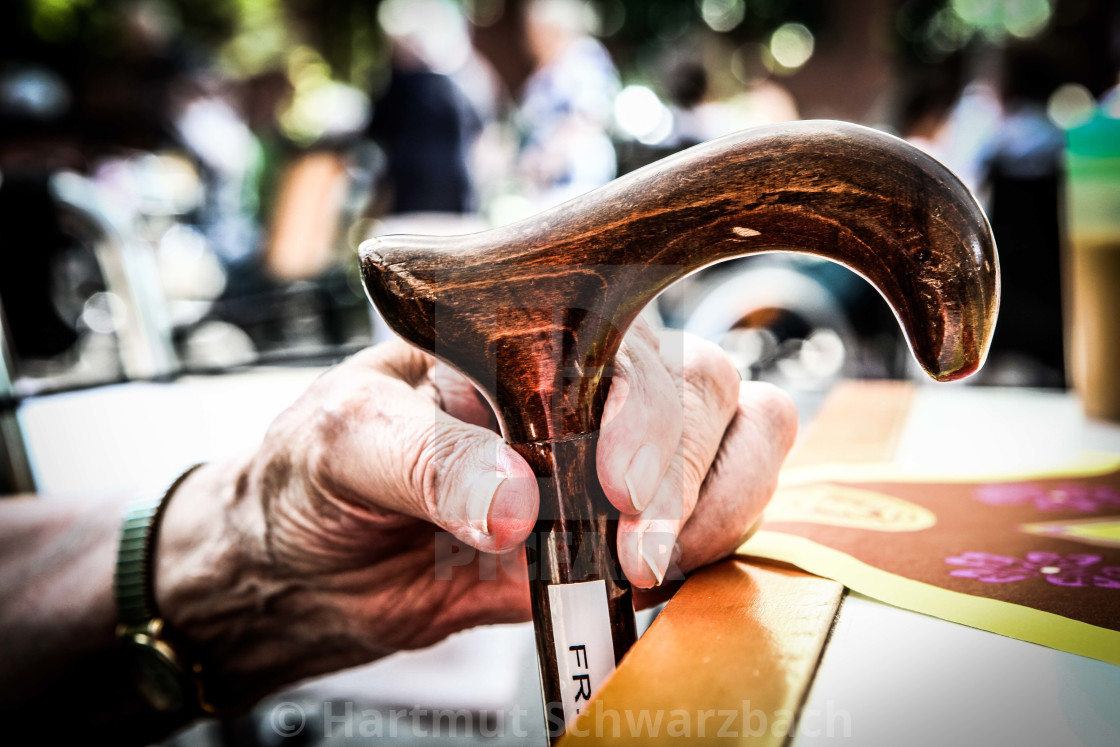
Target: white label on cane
[{"x": 581, "y": 633}]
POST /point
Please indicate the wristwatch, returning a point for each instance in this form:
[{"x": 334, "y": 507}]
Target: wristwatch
[{"x": 163, "y": 673}]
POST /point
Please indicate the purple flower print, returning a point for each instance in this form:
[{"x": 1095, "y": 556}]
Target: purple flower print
[
  {"x": 1056, "y": 498},
  {"x": 1062, "y": 570}
]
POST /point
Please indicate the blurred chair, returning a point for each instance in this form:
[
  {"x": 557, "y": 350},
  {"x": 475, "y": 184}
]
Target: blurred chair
[
  {"x": 135, "y": 304},
  {"x": 122, "y": 275},
  {"x": 131, "y": 275},
  {"x": 15, "y": 470}
]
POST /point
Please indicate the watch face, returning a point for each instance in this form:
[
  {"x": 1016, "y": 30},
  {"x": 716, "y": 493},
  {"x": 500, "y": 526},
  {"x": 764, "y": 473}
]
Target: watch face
[{"x": 158, "y": 678}]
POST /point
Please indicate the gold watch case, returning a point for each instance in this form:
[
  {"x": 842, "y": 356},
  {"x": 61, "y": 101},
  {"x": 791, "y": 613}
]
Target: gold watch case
[{"x": 158, "y": 669}]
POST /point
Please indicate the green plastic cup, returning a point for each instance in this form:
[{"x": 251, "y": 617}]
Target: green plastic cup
[{"x": 1092, "y": 263}]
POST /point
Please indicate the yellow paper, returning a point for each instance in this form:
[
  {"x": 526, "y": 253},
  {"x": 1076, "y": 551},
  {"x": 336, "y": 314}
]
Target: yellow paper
[{"x": 867, "y": 507}]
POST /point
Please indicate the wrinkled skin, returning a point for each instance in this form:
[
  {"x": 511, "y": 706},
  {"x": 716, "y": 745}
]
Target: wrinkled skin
[{"x": 322, "y": 549}]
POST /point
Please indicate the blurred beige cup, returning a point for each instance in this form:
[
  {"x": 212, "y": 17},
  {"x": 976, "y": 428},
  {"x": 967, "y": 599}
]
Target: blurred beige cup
[{"x": 1092, "y": 263}]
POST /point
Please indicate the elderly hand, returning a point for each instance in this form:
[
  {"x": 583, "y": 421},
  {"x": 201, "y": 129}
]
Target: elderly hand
[{"x": 319, "y": 551}]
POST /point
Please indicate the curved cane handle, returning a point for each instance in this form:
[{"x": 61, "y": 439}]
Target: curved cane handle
[{"x": 534, "y": 312}]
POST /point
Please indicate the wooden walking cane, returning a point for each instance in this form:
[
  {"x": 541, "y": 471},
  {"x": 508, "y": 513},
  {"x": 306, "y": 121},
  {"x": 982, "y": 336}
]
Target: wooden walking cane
[{"x": 534, "y": 312}]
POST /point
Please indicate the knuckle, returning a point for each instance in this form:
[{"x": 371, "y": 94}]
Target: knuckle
[
  {"x": 775, "y": 410},
  {"x": 430, "y": 465},
  {"x": 328, "y": 429},
  {"x": 693, "y": 474},
  {"x": 426, "y": 466},
  {"x": 683, "y": 483},
  {"x": 398, "y": 359},
  {"x": 640, "y": 330},
  {"x": 333, "y": 416},
  {"x": 708, "y": 369}
]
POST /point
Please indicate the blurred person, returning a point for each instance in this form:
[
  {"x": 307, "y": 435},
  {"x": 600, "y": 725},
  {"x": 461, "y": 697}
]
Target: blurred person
[
  {"x": 954, "y": 125},
  {"x": 566, "y": 105},
  {"x": 255, "y": 104},
  {"x": 126, "y": 98},
  {"x": 318, "y": 551},
  {"x": 763, "y": 101},
  {"x": 697, "y": 118},
  {"x": 294, "y": 194},
  {"x": 274, "y": 208},
  {"x": 686, "y": 86},
  {"x": 36, "y": 141},
  {"x": 925, "y": 108},
  {"x": 1021, "y": 165},
  {"x": 952, "y": 110},
  {"x": 211, "y": 120},
  {"x": 440, "y": 95}
]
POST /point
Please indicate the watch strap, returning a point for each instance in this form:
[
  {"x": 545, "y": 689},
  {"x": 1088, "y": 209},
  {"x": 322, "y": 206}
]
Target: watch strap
[{"x": 135, "y": 590}]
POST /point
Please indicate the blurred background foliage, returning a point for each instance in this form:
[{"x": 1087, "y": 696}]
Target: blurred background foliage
[
  {"x": 317, "y": 42},
  {"x": 249, "y": 145}
]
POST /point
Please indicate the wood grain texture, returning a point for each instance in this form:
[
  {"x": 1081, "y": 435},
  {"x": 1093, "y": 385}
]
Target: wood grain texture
[
  {"x": 574, "y": 541},
  {"x": 731, "y": 657},
  {"x": 535, "y": 311}
]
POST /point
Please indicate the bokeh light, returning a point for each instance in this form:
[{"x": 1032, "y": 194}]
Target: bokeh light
[
  {"x": 1070, "y": 105},
  {"x": 791, "y": 46},
  {"x": 722, "y": 15},
  {"x": 641, "y": 115},
  {"x": 996, "y": 18}
]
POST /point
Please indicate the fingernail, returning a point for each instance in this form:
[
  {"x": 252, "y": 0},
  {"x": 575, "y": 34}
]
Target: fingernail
[
  {"x": 655, "y": 545},
  {"x": 481, "y": 497},
  {"x": 641, "y": 476}
]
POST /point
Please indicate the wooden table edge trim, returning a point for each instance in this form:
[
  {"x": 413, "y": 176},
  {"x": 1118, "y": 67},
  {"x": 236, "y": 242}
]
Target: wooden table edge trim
[{"x": 733, "y": 604}]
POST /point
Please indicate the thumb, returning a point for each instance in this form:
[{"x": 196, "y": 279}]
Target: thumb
[
  {"x": 469, "y": 481},
  {"x": 386, "y": 447}
]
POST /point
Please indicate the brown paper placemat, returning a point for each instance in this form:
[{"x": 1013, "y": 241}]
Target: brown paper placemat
[{"x": 1035, "y": 557}]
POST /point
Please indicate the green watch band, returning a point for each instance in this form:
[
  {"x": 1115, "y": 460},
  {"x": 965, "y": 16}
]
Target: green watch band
[
  {"x": 162, "y": 675},
  {"x": 136, "y": 602}
]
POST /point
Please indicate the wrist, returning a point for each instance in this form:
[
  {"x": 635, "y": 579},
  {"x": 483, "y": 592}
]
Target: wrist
[
  {"x": 212, "y": 586},
  {"x": 225, "y": 584},
  {"x": 58, "y": 557}
]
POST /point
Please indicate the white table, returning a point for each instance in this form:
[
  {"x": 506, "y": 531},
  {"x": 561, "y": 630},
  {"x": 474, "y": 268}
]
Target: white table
[
  {"x": 129, "y": 438},
  {"x": 894, "y": 677},
  {"x": 909, "y": 679}
]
